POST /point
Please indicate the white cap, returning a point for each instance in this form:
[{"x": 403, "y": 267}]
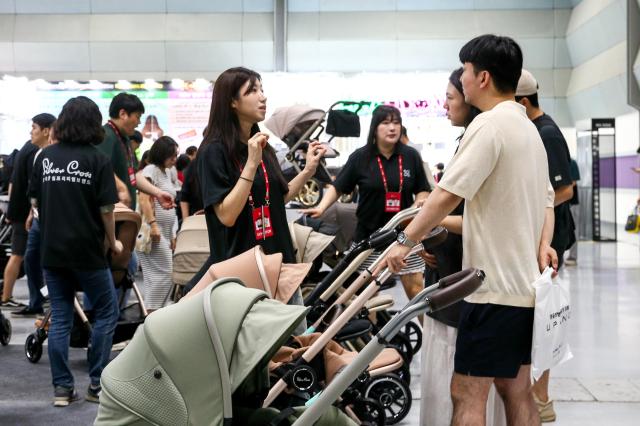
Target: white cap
[{"x": 527, "y": 85}]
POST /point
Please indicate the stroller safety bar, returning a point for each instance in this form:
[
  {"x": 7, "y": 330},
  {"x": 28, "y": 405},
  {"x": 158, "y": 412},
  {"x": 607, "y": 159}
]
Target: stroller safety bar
[{"x": 429, "y": 300}]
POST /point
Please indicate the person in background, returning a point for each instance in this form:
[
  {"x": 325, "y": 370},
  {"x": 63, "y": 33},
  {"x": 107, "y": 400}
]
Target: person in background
[
  {"x": 190, "y": 194},
  {"x": 181, "y": 164},
  {"x": 560, "y": 177},
  {"x": 157, "y": 264},
  {"x": 124, "y": 112},
  {"x": 18, "y": 212},
  {"x": 572, "y": 258},
  {"x": 191, "y": 152},
  {"x": 75, "y": 193},
  {"x": 136, "y": 140},
  {"x": 390, "y": 177}
]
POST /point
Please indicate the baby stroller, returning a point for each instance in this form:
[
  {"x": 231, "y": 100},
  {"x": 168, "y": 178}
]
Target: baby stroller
[
  {"x": 5, "y": 330},
  {"x": 192, "y": 251},
  {"x": 127, "y": 227},
  {"x": 440, "y": 295},
  {"x": 203, "y": 361},
  {"x": 297, "y": 125}
]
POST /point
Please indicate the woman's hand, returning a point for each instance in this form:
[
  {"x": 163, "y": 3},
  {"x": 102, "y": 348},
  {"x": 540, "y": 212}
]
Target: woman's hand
[
  {"x": 315, "y": 152},
  {"x": 429, "y": 259},
  {"x": 315, "y": 212},
  {"x": 155, "y": 232},
  {"x": 173, "y": 244},
  {"x": 117, "y": 247},
  {"x": 255, "y": 146}
]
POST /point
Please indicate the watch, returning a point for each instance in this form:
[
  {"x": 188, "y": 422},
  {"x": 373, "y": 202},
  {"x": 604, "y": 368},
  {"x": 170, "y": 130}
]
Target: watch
[{"x": 404, "y": 240}]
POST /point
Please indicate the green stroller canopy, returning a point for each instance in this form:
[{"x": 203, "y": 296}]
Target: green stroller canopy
[{"x": 185, "y": 362}]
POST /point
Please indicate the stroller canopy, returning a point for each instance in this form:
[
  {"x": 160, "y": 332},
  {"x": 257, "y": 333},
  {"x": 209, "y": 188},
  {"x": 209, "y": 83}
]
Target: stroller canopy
[
  {"x": 260, "y": 271},
  {"x": 184, "y": 363},
  {"x": 284, "y": 119},
  {"x": 192, "y": 249}
]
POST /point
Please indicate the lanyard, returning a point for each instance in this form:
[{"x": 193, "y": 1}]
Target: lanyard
[
  {"x": 266, "y": 184},
  {"x": 124, "y": 146},
  {"x": 384, "y": 177}
]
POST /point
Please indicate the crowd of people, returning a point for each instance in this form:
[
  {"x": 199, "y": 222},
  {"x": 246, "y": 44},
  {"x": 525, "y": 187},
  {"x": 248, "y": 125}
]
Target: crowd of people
[{"x": 504, "y": 197}]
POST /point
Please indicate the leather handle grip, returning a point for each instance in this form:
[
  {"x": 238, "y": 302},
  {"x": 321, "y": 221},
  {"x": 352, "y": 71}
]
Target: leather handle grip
[
  {"x": 382, "y": 239},
  {"x": 456, "y": 290},
  {"x": 454, "y": 278}
]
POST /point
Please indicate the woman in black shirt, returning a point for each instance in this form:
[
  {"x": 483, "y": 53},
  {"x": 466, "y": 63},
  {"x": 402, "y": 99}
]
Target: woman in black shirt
[
  {"x": 73, "y": 187},
  {"x": 390, "y": 177},
  {"x": 243, "y": 189}
]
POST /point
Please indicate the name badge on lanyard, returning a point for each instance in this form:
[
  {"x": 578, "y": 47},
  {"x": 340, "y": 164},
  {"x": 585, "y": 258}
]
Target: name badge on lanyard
[
  {"x": 261, "y": 215},
  {"x": 392, "y": 200}
]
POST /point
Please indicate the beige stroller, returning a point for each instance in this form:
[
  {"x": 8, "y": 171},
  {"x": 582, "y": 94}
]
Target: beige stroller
[{"x": 192, "y": 251}]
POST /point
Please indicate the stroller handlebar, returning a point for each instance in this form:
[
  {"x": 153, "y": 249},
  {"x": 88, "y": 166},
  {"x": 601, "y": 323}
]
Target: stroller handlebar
[
  {"x": 456, "y": 290},
  {"x": 382, "y": 238},
  {"x": 400, "y": 217}
]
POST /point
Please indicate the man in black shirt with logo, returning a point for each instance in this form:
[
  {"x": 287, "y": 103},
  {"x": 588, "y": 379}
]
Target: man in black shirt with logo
[
  {"x": 18, "y": 211},
  {"x": 562, "y": 182}
]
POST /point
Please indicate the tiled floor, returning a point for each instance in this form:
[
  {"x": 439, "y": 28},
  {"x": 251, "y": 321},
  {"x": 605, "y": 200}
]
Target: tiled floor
[{"x": 600, "y": 385}]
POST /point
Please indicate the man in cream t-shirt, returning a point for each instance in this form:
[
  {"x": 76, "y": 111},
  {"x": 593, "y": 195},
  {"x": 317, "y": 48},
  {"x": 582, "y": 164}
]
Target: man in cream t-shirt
[{"x": 501, "y": 172}]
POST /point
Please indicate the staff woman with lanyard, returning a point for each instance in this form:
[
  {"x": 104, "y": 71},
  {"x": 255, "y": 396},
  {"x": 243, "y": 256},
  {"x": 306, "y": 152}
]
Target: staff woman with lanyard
[
  {"x": 390, "y": 177},
  {"x": 243, "y": 189}
]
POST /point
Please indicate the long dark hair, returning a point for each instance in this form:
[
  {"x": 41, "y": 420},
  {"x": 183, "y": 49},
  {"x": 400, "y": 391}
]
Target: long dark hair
[
  {"x": 454, "y": 79},
  {"x": 379, "y": 114},
  {"x": 161, "y": 150},
  {"x": 223, "y": 125}
]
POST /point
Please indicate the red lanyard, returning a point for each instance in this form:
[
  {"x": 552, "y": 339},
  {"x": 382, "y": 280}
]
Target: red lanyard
[
  {"x": 384, "y": 177},
  {"x": 125, "y": 147},
  {"x": 266, "y": 184}
]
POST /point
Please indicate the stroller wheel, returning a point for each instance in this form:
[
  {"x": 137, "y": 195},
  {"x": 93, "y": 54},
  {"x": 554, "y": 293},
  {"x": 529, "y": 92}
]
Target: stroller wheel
[
  {"x": 402, "y": 343},
  {"x": 311, "y": 193},
  {"x": 369, "y": 412},
  {"x": 33, "y": 348},
  {"x": 392, "y": 394},
  {"x": 414, "y": 333},
  {"x": 5, "y": 332}
]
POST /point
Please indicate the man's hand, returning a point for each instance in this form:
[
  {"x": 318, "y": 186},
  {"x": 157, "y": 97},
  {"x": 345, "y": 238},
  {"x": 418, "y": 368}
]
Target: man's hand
[
  {"x": 166, "y": 200},
  {"x": 394, "y": 260},
  {"x": 547, "y": 256},
  {"x": 155, "y": 232},
  {"x": 117, "y": 247}
]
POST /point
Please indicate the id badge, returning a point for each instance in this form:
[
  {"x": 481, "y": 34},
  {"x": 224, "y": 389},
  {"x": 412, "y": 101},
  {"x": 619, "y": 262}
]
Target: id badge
[
  {"x": 262, "y": 223},
  {"x": 132, "y": 176},
  {"x": 392, "y": 202}
]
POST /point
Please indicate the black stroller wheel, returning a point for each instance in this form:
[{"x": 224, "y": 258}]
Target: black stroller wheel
[
  {"x": 369, "y": 412},
  {"x": 33, "y": 348},
  {"x": 402, "y": 343},
  {"x": 414, "y": 334},
  {"x": 392, "y": 394},
  {"x": 5, "y": 331}
]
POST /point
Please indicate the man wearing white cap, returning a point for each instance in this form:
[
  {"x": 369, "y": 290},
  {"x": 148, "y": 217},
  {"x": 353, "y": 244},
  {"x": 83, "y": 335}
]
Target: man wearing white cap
[{"x": 561, "y": 180}]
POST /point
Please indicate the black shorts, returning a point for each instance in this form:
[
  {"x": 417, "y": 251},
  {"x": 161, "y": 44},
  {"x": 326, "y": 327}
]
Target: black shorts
[
  {"x": 18, "y": 238},
  {"x": 493, "y": 340}
]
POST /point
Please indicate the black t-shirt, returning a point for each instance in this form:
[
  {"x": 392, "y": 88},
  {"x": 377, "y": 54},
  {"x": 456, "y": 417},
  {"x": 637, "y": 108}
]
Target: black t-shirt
[
  {"x": 362, "y": 170},
  {"x": 19, "y": 204},
  {"x": 560, "y": 175},
  {"x": 217, "y": 175},
  {"x": 190, "y": 192},
  {"x": 575, "y": 176},
  {"x": 71, "y": 183}
]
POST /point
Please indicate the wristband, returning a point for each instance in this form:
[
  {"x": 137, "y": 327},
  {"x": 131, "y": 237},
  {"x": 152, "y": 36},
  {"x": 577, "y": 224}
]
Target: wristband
[
  {"x": 248, "y": 180},
  {"x": 152, "y": 222}
]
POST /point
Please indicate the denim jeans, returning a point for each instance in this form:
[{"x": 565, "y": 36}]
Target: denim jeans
[
  {"x": 97, "y": 285},
  {"x": 33, "y": 267}
]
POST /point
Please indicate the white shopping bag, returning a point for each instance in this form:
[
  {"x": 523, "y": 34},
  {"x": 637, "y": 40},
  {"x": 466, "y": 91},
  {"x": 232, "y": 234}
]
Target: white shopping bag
[{"x": 550, "y": 325}]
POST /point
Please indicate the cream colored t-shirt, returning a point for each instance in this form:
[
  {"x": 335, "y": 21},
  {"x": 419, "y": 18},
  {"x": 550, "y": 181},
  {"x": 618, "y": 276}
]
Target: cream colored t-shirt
[{"x": 501, "y": 171}]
